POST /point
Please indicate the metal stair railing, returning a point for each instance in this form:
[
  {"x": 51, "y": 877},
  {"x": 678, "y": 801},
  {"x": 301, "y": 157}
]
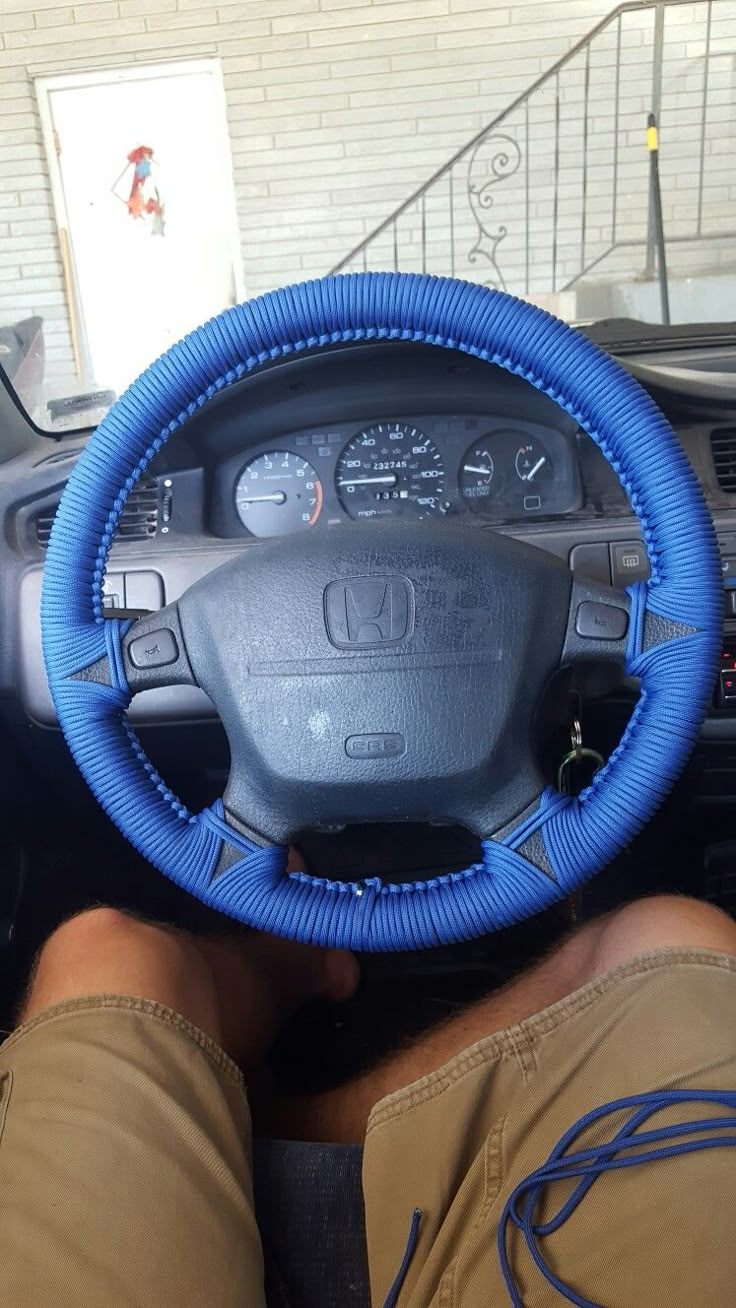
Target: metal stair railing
[{"x": 556, "y": 189}]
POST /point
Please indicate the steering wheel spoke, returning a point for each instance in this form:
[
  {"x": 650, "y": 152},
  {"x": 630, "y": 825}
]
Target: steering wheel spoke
[
  {"x": 598, "y": 624},
  {"x": 154, "y": 653}
]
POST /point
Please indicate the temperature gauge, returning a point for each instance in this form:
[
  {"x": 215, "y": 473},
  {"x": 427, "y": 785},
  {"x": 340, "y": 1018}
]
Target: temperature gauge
[{"x": 533, "y": 464}]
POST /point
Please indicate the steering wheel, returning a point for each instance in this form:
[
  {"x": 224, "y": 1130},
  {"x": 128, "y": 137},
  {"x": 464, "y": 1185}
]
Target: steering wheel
[{"x": 385, "y": 671}]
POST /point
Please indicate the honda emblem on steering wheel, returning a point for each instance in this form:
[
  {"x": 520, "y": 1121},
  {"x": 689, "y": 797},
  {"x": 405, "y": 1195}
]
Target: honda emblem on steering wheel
[{"x": 362, "y": 612}]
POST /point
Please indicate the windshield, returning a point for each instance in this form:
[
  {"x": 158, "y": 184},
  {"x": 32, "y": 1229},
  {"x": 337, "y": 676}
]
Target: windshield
[{"x": 163, "y": 159}]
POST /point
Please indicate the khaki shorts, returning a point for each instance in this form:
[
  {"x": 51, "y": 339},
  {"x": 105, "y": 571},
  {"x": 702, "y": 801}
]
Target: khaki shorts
[{"x": 125, "y": 1157}]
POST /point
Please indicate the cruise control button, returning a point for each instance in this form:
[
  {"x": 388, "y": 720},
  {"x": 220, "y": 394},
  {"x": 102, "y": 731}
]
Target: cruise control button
[
  {"x": 629, "y": 562},
  {"x": 601, "y": 621},
  {"x": 154, "y": 650}
]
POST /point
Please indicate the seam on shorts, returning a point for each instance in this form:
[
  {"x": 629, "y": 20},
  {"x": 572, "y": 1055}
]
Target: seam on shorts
[
  {"x": 133, "y": 1004},
  {"x": 492, "y": 1169},
  {"x": 446, "y": 1292},
  {"x": 6, "y": 1088},
  {"x": 523, "y": 1050},
  {"x": 505, "y": 1043}
]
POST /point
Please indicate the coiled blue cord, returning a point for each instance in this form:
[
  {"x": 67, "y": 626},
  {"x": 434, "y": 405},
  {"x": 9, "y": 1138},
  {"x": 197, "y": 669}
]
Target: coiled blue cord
[{"x": 590, "y": 1164}]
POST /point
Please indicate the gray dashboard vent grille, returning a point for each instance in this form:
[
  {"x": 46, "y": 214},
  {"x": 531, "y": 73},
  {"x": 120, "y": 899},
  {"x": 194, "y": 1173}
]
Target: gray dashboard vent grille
[
  {"x": 138, "y": 521},
  {"x": 723, "y": 446}
]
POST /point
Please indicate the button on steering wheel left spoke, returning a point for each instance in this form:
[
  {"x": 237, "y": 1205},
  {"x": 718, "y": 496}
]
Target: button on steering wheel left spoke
[{"x": 155, "y": 654}]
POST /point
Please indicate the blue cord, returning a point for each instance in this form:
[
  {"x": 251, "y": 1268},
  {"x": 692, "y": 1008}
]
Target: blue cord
[
  {"x": 411, "y": 1244},
  {"x": 590, "y": 1164}
]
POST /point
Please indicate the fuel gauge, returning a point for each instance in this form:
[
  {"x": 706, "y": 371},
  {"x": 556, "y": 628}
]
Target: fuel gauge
[{"x": 476, "y": 475}]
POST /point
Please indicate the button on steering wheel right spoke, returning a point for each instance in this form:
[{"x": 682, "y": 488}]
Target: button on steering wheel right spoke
[{"x": 598, "y": 624}]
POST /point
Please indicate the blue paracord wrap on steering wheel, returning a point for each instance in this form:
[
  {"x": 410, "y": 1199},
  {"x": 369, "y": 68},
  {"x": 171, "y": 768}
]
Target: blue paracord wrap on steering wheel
[{"x": 580, "y": 835}]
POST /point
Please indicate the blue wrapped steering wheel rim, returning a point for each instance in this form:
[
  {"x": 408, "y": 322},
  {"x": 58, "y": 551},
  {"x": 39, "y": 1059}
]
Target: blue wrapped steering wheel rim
[{"x": 673, "y": 640}]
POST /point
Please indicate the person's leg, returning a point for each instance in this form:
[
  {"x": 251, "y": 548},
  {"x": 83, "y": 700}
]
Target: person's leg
[
  {"x": 124, "y": 1128},
  {"x": 639, "y": 1004},
  {"x": 237, "y": 987},
  {"x": 648, "y": 925},
  {"x": 643, "y": 927}
]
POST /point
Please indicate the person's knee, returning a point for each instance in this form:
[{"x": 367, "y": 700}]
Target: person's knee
[
  {"x": 104, "y": 951},
  {"x": 88, "y": 934},
  {"x": 102, "y": 940},
  {"x": 661, "y": 922}
]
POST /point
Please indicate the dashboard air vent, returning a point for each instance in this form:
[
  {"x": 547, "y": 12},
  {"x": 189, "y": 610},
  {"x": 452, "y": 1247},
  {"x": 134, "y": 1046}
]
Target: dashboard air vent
[
  {"x": 723, "y": 446},
  {"x": 138, "y": 521}
]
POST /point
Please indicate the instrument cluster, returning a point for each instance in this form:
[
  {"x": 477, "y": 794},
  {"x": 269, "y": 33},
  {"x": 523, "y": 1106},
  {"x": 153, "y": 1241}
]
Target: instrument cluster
[{"x": 417, "y": 468}]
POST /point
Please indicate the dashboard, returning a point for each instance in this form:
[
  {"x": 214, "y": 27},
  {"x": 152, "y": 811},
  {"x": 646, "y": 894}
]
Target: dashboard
[
  {"x": 412, "y": 466},
  {"x": 377, "y": 433}
]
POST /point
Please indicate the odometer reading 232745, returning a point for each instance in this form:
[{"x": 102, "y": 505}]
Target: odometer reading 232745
[{"x": 390, "y": 468}]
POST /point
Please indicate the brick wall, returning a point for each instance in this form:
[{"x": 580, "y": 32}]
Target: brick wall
[{"x": 337, "y": 109}]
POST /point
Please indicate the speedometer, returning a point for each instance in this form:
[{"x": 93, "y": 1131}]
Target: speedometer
[{"x": 388, "y": 469}]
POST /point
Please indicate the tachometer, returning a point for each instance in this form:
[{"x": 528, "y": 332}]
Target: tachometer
[
  {"x": 278, "y": 493},
  {"x": 390, "y": 468}
]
